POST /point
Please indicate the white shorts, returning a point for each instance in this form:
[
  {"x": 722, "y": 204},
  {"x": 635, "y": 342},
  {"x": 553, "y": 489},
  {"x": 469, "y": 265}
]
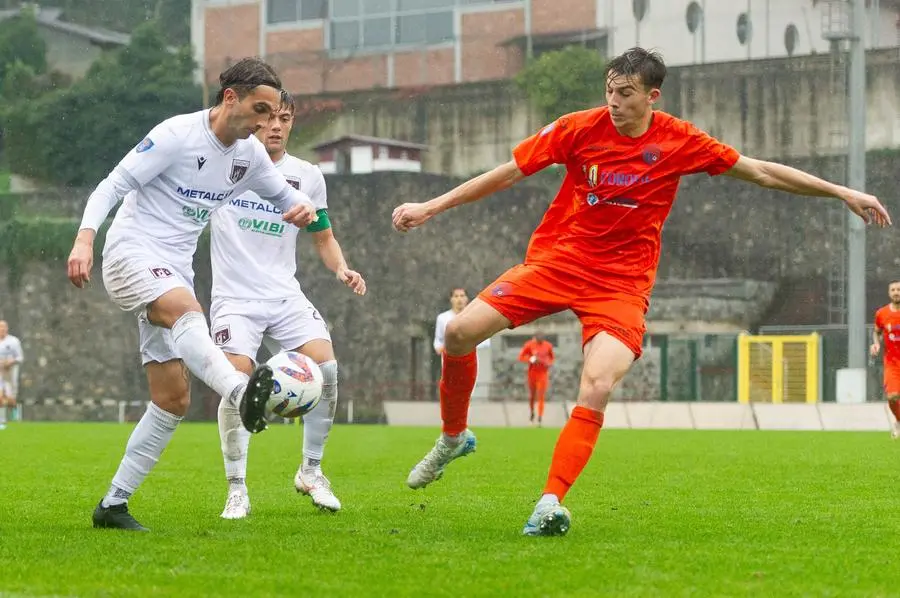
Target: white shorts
[
  {"x": 9, "y": 382},
  {"x": 133, "y": 279},
  {"x": 239, "y": 326}
]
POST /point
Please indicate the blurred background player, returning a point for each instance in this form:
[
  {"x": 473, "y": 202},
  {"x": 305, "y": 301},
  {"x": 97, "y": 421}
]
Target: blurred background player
[
  {"x": 11, "y": 358},
  {"x": 459, "y": 298},
  {"x": 538, "y": 354},
  {"x": 596, "y": 253},
  {"x": 887, "y": 332},
  {"x": 186, "y": 167},
  {"x": 247, "y": 307}
]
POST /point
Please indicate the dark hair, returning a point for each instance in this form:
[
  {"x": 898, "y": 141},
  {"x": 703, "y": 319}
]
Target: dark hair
[
  {"x": 647, "y": 65},
  {"x": 895, "y": 281},
  {"x": 454, "y": 289},
  {"x": 287, "y": 102},
  {"x": 246, "y": 75}
]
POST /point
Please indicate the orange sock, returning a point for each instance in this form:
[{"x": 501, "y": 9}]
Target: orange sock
[
  {"x": 457, "y": 381},
  {"x": 895, "y": 408},
  {"x": 573, "y": 450},
  {"x": 540, "y": 402}
]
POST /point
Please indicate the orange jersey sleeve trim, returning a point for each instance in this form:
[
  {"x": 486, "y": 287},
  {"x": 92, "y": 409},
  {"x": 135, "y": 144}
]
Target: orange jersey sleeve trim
[{"x": 550, "y": 145}]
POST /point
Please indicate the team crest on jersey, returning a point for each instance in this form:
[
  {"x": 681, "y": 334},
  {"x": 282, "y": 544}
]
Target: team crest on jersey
[
  {"x": 238, "y": 170},
  {"x": 144, "y": 145},
  {"x": 651, "y": 154},
  {"x": 592, "y": 199},
  {"x": 591, "y": 173},
  {"x": 222, "y": 335},
  {"x": 294, "y": 182}
]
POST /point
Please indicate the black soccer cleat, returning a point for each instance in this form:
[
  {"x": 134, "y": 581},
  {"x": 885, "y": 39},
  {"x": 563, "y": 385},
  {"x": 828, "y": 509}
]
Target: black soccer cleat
[
  {"x": 116, "y": 517},
  {"x": 256, "y": 395}
]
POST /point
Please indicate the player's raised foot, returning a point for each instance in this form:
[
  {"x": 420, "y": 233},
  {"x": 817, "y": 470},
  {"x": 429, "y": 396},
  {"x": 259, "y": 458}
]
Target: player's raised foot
[
  {"x": 237, "y": 506},
  {"x": 253, "y": 403},
  {"x": 315, "y": 485},
  {"x": 116, "y": 517},
  {"x": 549, "y": 518},
  {"x": 431, "y": 468}
]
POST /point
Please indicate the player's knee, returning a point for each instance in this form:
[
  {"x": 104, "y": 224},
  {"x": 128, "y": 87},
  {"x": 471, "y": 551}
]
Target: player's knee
[
  {"x": 456, "y": 340},
  {"x": 175, "y": 398},
  {"x": 595, "y": 391}
]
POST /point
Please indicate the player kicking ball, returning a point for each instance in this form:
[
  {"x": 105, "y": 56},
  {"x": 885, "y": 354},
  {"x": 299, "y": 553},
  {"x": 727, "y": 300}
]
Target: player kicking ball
[
  {"x": 186, "y": 167},
  {"x": 887, "y": 327},
  {"x": 248, "y": 238},
  {"x": 595, "y": 252}
]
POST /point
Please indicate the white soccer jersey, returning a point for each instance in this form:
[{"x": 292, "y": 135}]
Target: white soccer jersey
[
  {"x": 254, "y": 253},
  {"x": 173, "y": 180},
  {"x": 11, "y": 348},
  {"x": 440, "y": 326}
]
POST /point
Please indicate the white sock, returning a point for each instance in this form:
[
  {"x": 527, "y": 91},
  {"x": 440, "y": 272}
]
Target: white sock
[
  {"x": 453, "y": 440},
  {"x": 550, "y": 499},
  {"x": 144, "y": 448},
  {"x": 235, "y": 444},
  {"x": 3, "y": 415},
  {"x": 203, "y": 358},
  {"x": 317, "y": 423}
]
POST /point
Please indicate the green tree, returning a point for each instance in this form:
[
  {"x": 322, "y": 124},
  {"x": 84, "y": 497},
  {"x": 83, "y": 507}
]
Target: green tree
[
  {"x": 21, "y": 42},
  {"x": 564, "y": 81},
  {"x": 75, "y": 136}
]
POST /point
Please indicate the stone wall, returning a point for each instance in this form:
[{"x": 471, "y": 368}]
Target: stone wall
[
  {"x": 777, "y": 108},
  {"x": 79, "y": 345}
]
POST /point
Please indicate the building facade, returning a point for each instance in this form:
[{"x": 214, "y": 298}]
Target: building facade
[{"x": 322, "y": 46}]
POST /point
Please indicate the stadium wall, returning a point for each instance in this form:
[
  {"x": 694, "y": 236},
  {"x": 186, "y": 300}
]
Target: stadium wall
[
  {"x": 777, "y": 108},
  {"x": 78, "y": 344}
]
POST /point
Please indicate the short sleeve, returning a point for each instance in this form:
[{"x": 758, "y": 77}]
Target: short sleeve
[
  {"x": 149, "y": 158},
  {"x": 708, "y": 154},
  {"x": 268, "y": 182},
  {"x": 550, "y": 145},
  {"x": 317, "y": 190},
  {"x": 879, "y": 320}
]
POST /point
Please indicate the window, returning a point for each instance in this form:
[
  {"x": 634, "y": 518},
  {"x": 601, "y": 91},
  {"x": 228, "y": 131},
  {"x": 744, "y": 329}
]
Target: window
[
  {"x": 791, "y": 37},
  {"x": 382, "y": 24},
  {"x": 292, "y": 11}
]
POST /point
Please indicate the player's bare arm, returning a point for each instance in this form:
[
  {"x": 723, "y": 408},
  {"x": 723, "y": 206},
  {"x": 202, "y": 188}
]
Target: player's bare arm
[
  {"x": 333, "y": 257},
  {"x": 784, "y": 178},
  {"x": 875, "y": 349},
  {"x": 411, "y": 215}
]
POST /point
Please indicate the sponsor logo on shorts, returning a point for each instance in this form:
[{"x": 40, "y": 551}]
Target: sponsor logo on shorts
[
  {"x": 144, "y": 145},
  {"x": 160, "y": 272},
  {"x": 198, "y": 215},
  {"x": 238, "y": 170},
  {"x": 263, "y": 227},
  {"x": 501, "y": 290},
  {"x": 222, "y": 336}
]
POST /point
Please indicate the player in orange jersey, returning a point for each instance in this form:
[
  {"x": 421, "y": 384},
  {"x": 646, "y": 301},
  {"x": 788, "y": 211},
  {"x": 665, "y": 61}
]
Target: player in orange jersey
[
  {"x": 887, "y": 327},
  {"x": 595, "y": 253},
  {"x": 538, "y": 354}
]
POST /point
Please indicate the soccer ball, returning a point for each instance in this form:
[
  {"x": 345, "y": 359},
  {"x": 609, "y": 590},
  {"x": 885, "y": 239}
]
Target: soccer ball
[{"x": 297, "y": 384}]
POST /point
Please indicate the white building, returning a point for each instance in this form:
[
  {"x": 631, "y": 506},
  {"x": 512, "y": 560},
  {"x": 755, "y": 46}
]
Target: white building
[
  {"x": 358, "y": 154},
  {"x": 699, "y": 31}
]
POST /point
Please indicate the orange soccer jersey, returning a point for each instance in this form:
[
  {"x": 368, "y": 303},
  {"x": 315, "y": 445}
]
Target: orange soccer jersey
[
  {"x": 596, "y": 251},
  {"x": 887, "y": 320},
  {"x": 542, "y": 351}
]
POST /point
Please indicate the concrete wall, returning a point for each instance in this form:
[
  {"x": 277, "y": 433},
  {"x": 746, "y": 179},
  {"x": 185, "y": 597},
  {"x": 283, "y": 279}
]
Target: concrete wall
[
  {"x": 79, "y": 345},
  {"x": 778, "y": 108}
]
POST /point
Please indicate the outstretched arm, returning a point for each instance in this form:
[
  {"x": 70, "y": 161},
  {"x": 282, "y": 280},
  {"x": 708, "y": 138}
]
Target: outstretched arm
[
  {"x": 411, "y": 215},
  {"x": 333, "y": 257},
  {"x": 784, "y": 178}
]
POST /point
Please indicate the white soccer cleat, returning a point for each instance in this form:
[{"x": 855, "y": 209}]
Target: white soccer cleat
[
  {"x": 316, "y": 486},
  {"x": 431, "y": 468},
  {"x": 549, "y": 518},
  {"x": 237, "y": 506}
]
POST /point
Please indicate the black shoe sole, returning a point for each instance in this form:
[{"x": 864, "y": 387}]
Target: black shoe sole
[{"x": 253, "y": 403}]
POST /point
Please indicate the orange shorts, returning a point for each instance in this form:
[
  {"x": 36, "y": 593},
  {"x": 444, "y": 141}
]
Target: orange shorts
[
  {"x": 525, "y": 293},
  {"x": 892, "y": 379}
]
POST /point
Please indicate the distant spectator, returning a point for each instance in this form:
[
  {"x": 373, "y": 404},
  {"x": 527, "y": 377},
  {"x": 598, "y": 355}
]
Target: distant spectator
[
  {"x": 458, "y": 300},
  {"x": 11, "y": 357}
]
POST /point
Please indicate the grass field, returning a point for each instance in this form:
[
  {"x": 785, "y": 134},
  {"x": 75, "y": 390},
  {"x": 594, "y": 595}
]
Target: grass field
[{"x": 655, "y": 514}]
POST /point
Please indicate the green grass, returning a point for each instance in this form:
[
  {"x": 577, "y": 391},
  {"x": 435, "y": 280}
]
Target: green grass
[{"x": 655, "y": 514}]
